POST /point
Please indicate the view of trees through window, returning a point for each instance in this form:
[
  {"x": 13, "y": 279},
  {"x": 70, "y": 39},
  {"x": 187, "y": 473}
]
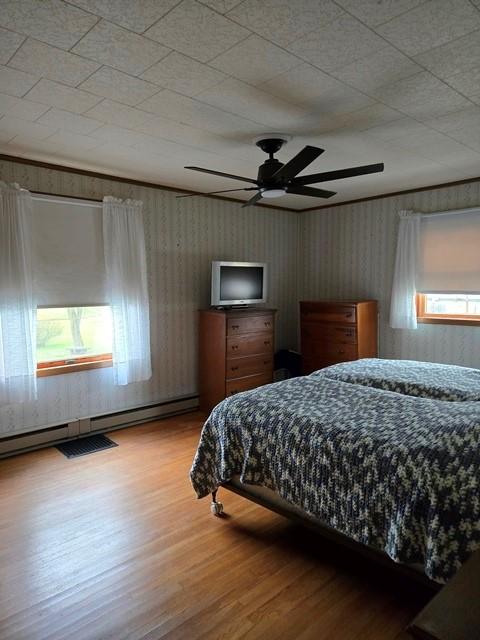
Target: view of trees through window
[
  {"x": 452, "y": 304},
  {"x": 67, "y": 333}
]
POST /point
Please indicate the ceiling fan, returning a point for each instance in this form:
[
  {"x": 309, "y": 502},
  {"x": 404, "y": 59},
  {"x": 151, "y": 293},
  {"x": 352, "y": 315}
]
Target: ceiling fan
[{"x": 276, "y": 179}]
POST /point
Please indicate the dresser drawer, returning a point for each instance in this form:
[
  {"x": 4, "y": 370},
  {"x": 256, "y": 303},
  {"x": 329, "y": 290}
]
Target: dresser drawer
[
  {"x": 249, "y": 324},
  {"x": 249, "y": 345},
  {"x": 329, "y": 350},
  {"x": 329, "y": 333},
  {"x": 239, "y": 367},
  {"x": 343, "y": 313},
  {"x": 250, "y": 382}
]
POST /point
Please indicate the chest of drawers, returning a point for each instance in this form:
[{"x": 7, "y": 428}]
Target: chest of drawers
[
  {"x": 335, "y": 331},
  {"x": 235, "y": 352}
]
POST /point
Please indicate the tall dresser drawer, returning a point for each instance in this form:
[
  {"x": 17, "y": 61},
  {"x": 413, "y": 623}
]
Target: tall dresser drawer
[
  {"x": 329, "y": 313},
  {"x": 330, "y": 350},
  {"x": 239, "y": 367},
  {"x": 329, "y": 332},
  {"x": 244, "y": 384},
  {"x": 251, "y": 324},
  {"x": 246, "y": 345}
]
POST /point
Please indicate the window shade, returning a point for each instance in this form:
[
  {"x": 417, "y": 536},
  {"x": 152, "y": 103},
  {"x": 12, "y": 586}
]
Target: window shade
[
  {"x": 68, "y": 252},
  {"x": 450, "y": 253}
]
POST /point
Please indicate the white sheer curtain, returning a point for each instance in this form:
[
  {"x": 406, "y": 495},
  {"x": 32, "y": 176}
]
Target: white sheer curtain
[
  {"x": 403, "y": 313},
  {"x": 17, "y": 307},
  {"x": 126, "y": 284}
]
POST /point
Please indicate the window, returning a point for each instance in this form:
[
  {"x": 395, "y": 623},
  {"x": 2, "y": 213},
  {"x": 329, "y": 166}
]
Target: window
[
  {"x": 448, "y": 308},
  {"x": 73, "y": 339}
]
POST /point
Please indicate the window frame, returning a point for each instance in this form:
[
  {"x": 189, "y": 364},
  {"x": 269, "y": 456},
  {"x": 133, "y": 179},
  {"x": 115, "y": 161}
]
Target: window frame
[
  {"x": 440, "y": 318},
  {"x": 73, "y": 364}
]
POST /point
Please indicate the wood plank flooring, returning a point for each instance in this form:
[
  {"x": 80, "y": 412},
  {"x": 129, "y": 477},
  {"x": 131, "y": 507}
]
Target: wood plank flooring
[{"x": 115, "y": 546}]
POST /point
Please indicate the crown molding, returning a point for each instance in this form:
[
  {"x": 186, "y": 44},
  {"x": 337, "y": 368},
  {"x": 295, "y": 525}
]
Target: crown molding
[{"x": 163, "y": 187}]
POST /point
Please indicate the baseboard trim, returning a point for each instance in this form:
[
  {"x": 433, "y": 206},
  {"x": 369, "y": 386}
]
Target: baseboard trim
[{"x": 46, "y": 437}]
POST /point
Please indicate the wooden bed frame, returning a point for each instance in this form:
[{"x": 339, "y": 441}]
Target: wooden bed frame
[{"x": 452, "y": 614}]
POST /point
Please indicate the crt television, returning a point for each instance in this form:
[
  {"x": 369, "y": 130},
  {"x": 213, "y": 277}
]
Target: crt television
[{"x": 238, "y": 283}]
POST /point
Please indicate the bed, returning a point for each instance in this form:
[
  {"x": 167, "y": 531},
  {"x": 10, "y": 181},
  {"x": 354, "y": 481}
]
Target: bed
[{"x": 382, "y": 453}]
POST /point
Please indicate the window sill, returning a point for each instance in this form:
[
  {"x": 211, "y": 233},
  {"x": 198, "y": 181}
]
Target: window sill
[
  {"x": 471, "y": 322},
  {"x": 56, "y": 370}
]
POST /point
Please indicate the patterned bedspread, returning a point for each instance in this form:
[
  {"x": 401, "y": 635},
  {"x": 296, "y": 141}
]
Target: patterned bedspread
[
  {"x": 396, "y": 472},
  {"x": 422, "y": 379}
]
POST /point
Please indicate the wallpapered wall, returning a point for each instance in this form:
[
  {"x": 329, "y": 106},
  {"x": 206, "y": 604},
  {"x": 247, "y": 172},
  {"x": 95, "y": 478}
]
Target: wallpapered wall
[
  {"x": 182, "y": 237},
  {"x": 339, "y": 252},
  {"x": 349, "y": 251}
]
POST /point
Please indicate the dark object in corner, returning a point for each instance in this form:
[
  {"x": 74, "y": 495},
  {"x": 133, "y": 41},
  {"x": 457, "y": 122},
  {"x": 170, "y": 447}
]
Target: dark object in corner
[
  {"x": 84, "y": 446},
  {"x": 454, "y": 613},
  {"x": 289, "y": 360}
]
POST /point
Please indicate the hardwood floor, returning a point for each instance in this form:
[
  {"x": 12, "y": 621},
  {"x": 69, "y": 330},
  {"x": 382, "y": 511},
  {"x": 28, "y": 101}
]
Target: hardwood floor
[{"x": 115, "y": 546}]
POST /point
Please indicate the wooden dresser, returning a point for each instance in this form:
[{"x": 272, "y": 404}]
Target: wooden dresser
[
  {"x": 336, "y": 331},
  {"x": 235, "y": 352}
]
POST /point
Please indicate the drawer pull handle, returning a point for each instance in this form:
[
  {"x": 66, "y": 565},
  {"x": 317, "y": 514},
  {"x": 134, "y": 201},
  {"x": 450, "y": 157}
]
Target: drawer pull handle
[
  {"x": 266, "y": 342},
  {"x": 234, "y": 346},
  {"x": 349, "y": 315},
  {"x": 235, "y": 326},
  {"x": 233, "y": 368},
  {"x": 265, "y": 362},
  {"x": 267, "y": 324}
]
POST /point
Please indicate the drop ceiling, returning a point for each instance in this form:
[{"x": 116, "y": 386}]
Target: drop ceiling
[{"x": 140, "y": 89}]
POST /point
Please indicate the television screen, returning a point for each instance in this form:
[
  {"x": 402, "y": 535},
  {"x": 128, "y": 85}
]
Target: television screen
[
  {"x": 238, "y": 283},
  {"x": 241, "y": 283}
]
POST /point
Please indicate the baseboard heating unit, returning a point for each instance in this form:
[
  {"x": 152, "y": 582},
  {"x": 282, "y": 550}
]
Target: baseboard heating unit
[{"x": 54, "y": 434}]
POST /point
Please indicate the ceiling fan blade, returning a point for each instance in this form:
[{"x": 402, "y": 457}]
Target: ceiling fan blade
[
  {"x": 211, "y": 193},
  {"x": 253, "y": 200},
  {"x": 300, "y": 190},
  {"x": 223, "y": 175},
  {"x": 326, "y": 176},
  {"x": 291, "y": 168}
]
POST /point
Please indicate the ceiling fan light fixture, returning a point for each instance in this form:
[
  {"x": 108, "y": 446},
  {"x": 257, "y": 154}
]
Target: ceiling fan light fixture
[{"x": 273, "y": 193}]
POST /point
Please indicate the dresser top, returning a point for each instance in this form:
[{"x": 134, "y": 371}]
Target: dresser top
[{"x": 336, "y": 301}]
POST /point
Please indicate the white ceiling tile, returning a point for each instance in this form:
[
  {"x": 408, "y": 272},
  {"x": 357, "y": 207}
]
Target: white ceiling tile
[
  {"x": 118, "y": 114},
  {"x": 421, "y": 96},
  {"x": 466, "y": 118},
  {"x": 255, "y": 60},
  {"x": 375, "y": 12},
  {"x": 377, "y": 69},
  {"x": 183, "y": 75},
  {"x": 454, "y": 57},
  {"x": 73, "y": 141},
  {"x": 373, "y": 115},
  {"x": 337, "y": 44},
  {"x": 9, "y": 43},
  {"x": 17, "y": 126},
  {"x": 62, "y": 97},
  {"x": 52, "y": 63},
  {"x": 316, "y": 91},
  {"x": 136, "y": 15},
  {"x": 222, "y": 6},
  {"x": 197, "y": 114},
  {"x": 114, "y": 46},
  {"x": 430, "y": 25},
  {"x": 197, "y": 31},
  {"x": 120, "y": 135},
  {"x": 20, "y": 108},
  {"x": 50, "y": 21},
  {"x": 119, "y": 86},
  {"x": 397, "y": 129},
  {"x": 70, "y": 121},
  {"x": 467, "y": 82},
  {"x": 16, "y": 83},
  {"x": 284, "y": 21},
  {"x": 438, "y": 147},
  {"x": 469, "y": 137},
  {"x": 237, "y": 97}
]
